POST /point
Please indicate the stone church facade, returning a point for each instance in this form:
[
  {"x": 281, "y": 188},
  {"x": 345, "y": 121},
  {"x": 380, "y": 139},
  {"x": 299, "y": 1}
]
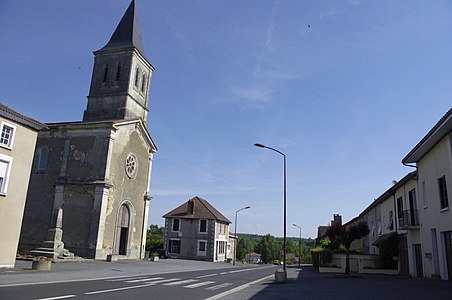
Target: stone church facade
[{"x": 98, "y": 171}]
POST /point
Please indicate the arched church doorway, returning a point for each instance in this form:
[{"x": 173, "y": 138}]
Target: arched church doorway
[{"x": 122, "y": 230}]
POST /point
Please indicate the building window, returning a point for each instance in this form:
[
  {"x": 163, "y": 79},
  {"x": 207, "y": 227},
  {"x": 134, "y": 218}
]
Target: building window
[
  {"x": 391, "y": 221},
  {"x": 137, "y": 76},
  {"x": 5, "y": 168},
  {"x": 203, "y": 226},
  {"x": 202, "y": 248},
  {"x": 176, "y": 225},
  {"x": 7, "y": 136},
  {"x": 221, "y": 247},
  {"x": 43, "y": 158},
  {"x": 443, "y": 192},
  {"x": 174, "y": 246},
  {"x": 106, "y": 73},
  {"x": 118, "y": 72},
  {"x": 143, "y": 83},
  {"x": 131, "y": 166}
]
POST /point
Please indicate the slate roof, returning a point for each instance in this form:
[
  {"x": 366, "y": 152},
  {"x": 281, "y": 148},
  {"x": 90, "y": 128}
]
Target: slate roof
[
  {"x": 201, "y": 210},
  {"x": 13, "y": 115},
  {"x": 127, "y": 33}
]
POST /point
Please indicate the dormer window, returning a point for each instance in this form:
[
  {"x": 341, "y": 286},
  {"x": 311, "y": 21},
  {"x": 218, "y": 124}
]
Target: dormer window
[
  {"x": 7, "y": 135},
  {"x": 118, "y": 72},
  {"x": 106, "y": 73}
]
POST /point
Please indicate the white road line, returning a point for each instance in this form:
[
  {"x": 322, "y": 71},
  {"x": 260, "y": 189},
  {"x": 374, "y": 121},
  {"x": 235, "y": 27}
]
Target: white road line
[
  {"x": 129, "y": 278},
  {"x": 208, "y": 275},
  {"x": 217, "y": 287},
  {"x": 192, "y": 286},
  {"x": 221, "y": 295},
  {"x": 59, "y": 297},
  {"x": 142, "y": 280},
  {"x": 224, "y": 273},
  {"x": 119, "y": 289},
  {"x": 164, "y": 280},
  {"x": 180, "y": 282}
]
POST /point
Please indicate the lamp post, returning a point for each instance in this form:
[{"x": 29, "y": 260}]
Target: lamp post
[
  {"x": 285, "y": 237},
  {"x": 299, "y": 245},
  {"x": 235, "y": 234}
]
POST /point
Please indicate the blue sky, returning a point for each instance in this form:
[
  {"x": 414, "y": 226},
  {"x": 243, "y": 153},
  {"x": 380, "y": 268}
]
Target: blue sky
[{"x": 344, "y": 88}]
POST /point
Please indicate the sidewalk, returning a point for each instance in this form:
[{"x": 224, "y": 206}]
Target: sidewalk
[
  {"x": 307, "y": 283},
  {"x": 91, "y": 269}
]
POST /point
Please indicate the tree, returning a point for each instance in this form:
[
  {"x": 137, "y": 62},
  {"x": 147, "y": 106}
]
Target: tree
[
  {"x": 268, "y": 248},
  {"x": 154, "y": 238},
  {"x": 345, "y": 235}
]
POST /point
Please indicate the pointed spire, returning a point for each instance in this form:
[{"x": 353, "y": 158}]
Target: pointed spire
[{"x": 128, "y": 33}]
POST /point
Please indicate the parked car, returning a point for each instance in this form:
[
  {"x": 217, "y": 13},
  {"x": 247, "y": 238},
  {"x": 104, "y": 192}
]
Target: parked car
[{"x": 162, "y": 253}]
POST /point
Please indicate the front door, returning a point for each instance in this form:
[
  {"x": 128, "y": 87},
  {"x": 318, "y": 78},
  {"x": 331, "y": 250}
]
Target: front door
[
  {"x": 403, "y": 255},
  {"x": 448, "y": 242},
  {"x": 418, "y": 260},
  {"x": 122, "y": 230}
]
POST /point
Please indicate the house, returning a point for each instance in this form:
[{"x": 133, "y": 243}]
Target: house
[
  {"x": 253, "y": 258},
  {"x": 196, "y": 230},
  {"x": 395, "y": 212},
  {"x": 432, "y": 157},
  {"x": 95, "y": 173},
  {"x": 18, "y": 135}
]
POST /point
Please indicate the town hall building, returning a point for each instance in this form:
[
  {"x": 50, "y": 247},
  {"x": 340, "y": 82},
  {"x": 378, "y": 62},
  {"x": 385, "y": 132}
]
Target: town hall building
[{"x": 89, "y": 189}]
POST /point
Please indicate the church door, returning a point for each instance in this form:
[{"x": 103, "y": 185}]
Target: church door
[{"x": 122, "y": 230}]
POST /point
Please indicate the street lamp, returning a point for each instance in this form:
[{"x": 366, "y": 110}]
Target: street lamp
[
  {"x": 299, "y": 245},
  {"x": 235, "y": 234},
  {"x": 285, "y": 237}
]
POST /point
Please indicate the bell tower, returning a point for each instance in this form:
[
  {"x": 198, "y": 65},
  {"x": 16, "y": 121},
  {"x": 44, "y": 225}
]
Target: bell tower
[{"x": 121, "y": 75}]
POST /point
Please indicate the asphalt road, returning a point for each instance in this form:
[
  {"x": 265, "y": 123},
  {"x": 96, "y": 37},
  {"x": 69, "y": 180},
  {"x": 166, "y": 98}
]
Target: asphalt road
[{"x": 199, "y": 284}]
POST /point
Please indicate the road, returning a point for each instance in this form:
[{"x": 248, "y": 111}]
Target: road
[{"x": 200, "y": 284}]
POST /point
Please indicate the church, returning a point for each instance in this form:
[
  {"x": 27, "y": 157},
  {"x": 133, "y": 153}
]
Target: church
[{"x": 93, "y": 177}]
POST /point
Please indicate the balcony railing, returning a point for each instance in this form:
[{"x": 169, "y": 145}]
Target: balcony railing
[{"x": 409, "y": 219}]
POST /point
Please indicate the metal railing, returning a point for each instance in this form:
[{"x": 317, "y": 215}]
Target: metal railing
[{"x": 409, "y": 219}]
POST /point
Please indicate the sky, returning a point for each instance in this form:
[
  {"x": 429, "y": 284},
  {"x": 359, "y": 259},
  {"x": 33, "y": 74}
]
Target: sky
[{"x": 344, "y": 88}]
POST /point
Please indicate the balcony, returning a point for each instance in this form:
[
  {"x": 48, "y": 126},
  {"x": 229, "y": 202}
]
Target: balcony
[{"x": 409, "y": 219}]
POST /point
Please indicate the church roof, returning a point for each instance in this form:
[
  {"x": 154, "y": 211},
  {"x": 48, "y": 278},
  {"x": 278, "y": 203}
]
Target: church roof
[
  {"x": 197, "y": 208},
  {"x": 127, "y": 33},
  {"x": 13, "y": 115}
]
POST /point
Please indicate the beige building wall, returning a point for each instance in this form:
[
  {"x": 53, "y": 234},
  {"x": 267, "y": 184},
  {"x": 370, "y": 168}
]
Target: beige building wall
[
  {"x": 12, "y": 202},
  {"x": 436, "y": 221}
]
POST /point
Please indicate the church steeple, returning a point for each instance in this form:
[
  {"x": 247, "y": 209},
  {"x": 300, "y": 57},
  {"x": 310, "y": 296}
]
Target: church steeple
[
  {"x": 128, "y": 33},
  {"x": 121, "y": 75}
]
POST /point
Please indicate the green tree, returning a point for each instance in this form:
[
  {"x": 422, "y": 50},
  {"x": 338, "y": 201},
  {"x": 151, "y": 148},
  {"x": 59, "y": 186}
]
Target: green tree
[
  {"x": 345, "y": 235},
  {"x": 268, "y": 248},
  {"x": 154, "y": 238}
]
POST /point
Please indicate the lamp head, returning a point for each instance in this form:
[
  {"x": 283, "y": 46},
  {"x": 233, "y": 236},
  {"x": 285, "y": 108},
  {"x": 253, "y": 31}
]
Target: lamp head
[
  {"x": 259, "y": 145},
  {"x": 247, "y": 207}
]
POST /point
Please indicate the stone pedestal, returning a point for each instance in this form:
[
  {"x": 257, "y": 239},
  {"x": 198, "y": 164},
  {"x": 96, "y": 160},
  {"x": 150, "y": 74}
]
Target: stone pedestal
[
  {"x": 53, "y": 246},
  {"x": 41, "y": 264},
  {"x": 280, "y": 276}
]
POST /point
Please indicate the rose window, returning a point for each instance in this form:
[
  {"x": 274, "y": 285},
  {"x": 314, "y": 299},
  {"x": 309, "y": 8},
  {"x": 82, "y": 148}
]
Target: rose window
[{"x": 131, "y": 166}]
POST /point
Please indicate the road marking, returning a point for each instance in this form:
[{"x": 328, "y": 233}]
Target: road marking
[
  {"x": 59, "y": 297},
  {"x": 180, "y": 282},
  {"x": 164, "y": 280},
  {"x": 208, "y": 275},
  {"x": 192, "y": 286},
  {"x": 130, "y": 278},
  {"x": 119, "y": 289},
  {"x": 221, "y": 295},
  {"x": 142, "y": 280},
  {"x": 217, "y": 287},
  {"x": 224, "y": 273}
]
